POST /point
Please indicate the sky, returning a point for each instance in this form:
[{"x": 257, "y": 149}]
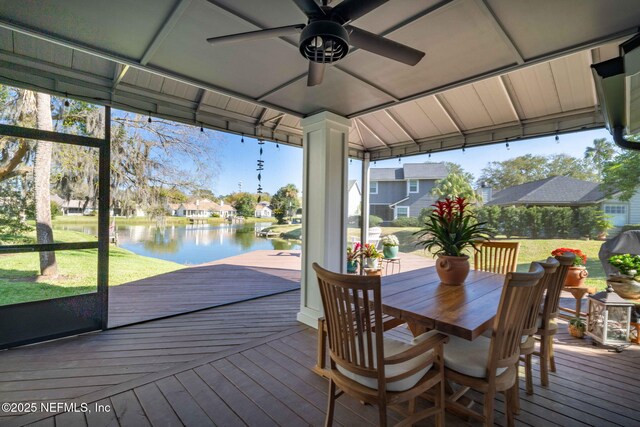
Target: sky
[{"x": 283, "y": 165}]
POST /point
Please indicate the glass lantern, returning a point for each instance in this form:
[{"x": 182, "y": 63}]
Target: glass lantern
[{"x": 609, "y": 319}]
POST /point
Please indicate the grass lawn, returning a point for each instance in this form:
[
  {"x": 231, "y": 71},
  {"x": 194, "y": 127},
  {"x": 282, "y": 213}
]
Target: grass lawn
[{"x": 78, "y": 270}]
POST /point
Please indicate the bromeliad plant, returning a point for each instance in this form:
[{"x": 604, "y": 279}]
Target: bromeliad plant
[
  {"x": 580, "y": 260},
  {"x": 353, "y": 253},
  {"x": 451, "y": 228},
  {"x": 370, "y": 251}
]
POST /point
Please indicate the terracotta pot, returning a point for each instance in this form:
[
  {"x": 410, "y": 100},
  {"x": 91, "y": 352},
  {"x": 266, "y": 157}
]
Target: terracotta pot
[
  {"x": 576, "y": 276},
  {"x": 452, "y": 270}
]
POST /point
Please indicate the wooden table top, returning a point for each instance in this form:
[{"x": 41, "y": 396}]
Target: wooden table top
[{"x": 465, "y": 311}]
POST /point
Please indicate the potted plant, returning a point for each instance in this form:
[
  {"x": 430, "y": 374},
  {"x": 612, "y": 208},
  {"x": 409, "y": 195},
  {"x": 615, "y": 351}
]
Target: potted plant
[
  {"x": 390, "y": 246},
  {"x": 627, "y": 282},
  {"x": 577, "y": 327},
  {"x": 353, "y": 256},
  {"x": 449, "y": 231},
  {"x": 577, "y": 273},
  {"x": 371, "y": 256}
]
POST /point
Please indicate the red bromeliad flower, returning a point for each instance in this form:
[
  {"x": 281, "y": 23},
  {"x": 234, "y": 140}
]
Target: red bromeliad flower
[{"x": 581, "y": 258}]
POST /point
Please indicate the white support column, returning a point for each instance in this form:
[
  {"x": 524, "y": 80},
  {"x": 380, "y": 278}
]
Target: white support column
[
  {"x": 364, "y": 230},
  {"x": 324, "y": 213}
]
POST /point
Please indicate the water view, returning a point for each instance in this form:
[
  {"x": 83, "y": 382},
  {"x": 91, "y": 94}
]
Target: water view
[{"x": 191, "y": 244}]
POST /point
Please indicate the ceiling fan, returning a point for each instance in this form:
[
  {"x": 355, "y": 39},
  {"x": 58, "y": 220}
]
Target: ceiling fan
[{"x": 326, "y": 37}]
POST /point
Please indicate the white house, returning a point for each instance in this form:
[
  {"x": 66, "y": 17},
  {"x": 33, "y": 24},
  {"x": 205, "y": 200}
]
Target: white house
[
  {"x": 262, "y": 210},
  {"x": 354, "y": 196},
  {"x": 198, "y": 209}
]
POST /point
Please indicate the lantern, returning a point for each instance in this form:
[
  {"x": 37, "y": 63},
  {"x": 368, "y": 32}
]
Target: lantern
[{"x": 609, "y": 319}]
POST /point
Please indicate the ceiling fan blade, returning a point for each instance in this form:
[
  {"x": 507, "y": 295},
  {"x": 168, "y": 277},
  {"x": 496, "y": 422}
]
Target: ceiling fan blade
[
  {"x": 309, "y": 7},
  {"x": 316, "y": 73},
  {"x": 350, "y": 10},
  {"x": 259, "y": 34},
  {"x": 382, "y": 46}
]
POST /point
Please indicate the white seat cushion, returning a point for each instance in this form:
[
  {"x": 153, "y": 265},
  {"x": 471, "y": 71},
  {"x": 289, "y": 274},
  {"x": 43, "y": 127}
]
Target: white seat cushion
[
  {"x": 393, "y": 347},
  {"x": 488, "y": 332},
  {"x": 464, "y": 356},
  {"x": 552, "y": 323}
]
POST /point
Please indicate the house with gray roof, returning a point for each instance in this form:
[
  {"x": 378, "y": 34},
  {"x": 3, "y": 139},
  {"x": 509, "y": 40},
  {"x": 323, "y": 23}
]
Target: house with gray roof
[
  {"x": 571, "y": 192},
  {"x": 403, "y": 191}
]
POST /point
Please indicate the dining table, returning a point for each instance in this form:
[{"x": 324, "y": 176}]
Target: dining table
[{"x": 420, "y": 299}]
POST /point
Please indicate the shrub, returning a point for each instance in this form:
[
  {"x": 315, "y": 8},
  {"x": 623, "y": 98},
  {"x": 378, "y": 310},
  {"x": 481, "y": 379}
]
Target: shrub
[
  {"x": 531, "y": 221},
  {"x": 375, "y": 221},
  {"x": 406, "y": 221},
  {"x": 589, "y": 221},
  {"x": 629, "y": 227},
  {"x": 557, "y": 221},
  {"x": 56, "y": 210},
  {"x": 491, "y": 216},
  {"x": 511, "y": 221}
]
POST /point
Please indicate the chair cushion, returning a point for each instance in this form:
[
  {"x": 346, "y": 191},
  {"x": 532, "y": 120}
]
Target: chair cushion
[
  {"x": 552, "y": 323},
  {"x": 467, "y": 357},
  {"x": 488, "y": 332},
  {"x": 393, "y": 347}
]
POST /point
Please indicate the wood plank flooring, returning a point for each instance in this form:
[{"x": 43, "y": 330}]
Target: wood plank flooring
[
  {"x": 229, "y": 280},
  {"x": 268, "y": 381}
]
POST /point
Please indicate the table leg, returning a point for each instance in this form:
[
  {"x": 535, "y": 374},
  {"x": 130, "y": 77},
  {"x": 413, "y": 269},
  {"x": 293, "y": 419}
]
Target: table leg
[
  {"x": 416, "y": 329},
  {"x": 578, "y": 294}
]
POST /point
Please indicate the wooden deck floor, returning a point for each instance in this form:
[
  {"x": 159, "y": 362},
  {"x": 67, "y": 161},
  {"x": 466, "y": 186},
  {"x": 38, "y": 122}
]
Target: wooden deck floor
[
  {"x": 232, "y": 279},
  {"x": 249, "y": 364}
]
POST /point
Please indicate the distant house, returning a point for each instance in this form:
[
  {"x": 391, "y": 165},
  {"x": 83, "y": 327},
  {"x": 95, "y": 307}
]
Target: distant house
[
  {"x": 404, "y": 191},
  {"x": 78, "y": 207},
  {"x": 199, "y": 208},
  {"x": 565, "y": 191},
  {"x": 173, "y": 208},
  {"x": 226, "y": 211},
  {"x": 354, "y": 197},
  {"x": 262, "y": 210}
]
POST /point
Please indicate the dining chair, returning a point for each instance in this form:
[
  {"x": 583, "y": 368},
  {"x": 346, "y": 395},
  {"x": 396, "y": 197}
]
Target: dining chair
[
  {"x": 366, "y": 364},
  {"x": 532, "y": 322},
  {"x": 496, "y": 257},
  {"x": 547, "y": 326},
  {"x": 488, "y": 365}
]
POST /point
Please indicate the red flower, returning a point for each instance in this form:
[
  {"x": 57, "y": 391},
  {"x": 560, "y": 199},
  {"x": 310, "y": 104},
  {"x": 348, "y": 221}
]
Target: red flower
[{"x": 581, "y": 257}]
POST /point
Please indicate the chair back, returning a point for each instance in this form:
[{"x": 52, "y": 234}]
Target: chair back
[
  {"x": 517, "y": 296},
  {"x": 352, "y": 307},
  {"x": 531, "y": 320},
  {"x": 554, "y": 288},
  {"x": 496, "y": 257}
]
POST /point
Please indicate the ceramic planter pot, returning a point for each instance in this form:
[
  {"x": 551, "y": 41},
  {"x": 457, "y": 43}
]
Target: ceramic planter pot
[
  {"x": 624, "y": 286},
  {"x": 390, "y": 251},
  {"x": 576, "y": 276},
  {"x": 371, "y": 263},
  {"x": 452, "y": 270},
  {"x": 352, "y": 266}
]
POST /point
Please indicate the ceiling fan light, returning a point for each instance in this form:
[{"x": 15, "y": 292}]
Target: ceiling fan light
[{"x": 324, "y": 42}]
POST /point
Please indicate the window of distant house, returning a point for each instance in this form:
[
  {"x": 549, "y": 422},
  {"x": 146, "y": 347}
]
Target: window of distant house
[
  {"x": 615, "y": 209},
  {"x": 402, "y": 211},
  {"x": 413, "y": 186},
  {"x": 373, "y": 187}
]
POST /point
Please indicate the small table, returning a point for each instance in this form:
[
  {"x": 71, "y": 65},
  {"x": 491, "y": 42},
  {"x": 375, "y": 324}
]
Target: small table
[
  {"x": 578, "y": 293},
  {"x": 393, "y": 262}
]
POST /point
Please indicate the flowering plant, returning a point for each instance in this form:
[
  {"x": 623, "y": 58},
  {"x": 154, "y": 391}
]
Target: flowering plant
[
  {"x": 627, "y": 264},
  {"x": 354, "y": 252},
  {"x": 390, "y": 240},
  {"x": 370, "y": 251},
  {"x": 581, "y": 258},
  {"x": 451, "y": 228}
]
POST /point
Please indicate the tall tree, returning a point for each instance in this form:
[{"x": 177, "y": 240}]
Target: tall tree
[
  {"x": 454, "y": 185},
  {"x": 42, "y": 186},
  {"x": 622, "y": 173},
  {"x": 285, "y": 202},
  {"x": 244, "y": 204},
  {"x": 599, "y": 154}
]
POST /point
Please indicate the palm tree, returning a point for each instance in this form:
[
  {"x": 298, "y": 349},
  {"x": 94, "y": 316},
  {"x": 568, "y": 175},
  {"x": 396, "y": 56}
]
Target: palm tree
[{"x": 600, "y": 153}]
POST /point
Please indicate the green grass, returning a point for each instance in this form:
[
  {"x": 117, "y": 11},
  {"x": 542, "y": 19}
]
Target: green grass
[{"x": 77, "y": 270}]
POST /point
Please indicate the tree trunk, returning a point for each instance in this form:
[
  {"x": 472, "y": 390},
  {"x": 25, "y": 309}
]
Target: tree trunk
[{"x": 41, "y": 176}]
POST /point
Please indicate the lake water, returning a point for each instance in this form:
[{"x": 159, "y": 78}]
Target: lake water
[{"x": 191, "y": 244}]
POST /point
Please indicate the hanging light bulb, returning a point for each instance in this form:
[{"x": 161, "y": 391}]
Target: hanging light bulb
[
  {"x": 201, "y": 128},
  {"x": 149, "y": 119},
  {"x": 242, "y": 138},
  {"x": 429, "y": 153},
  {"x": 508, "y": 146},
  {"x": 66, "y": 103},
  {"x": 464, "y": 147},
  {"x": 557, "y": 139},
  {"x": 350, "y": 161},
  {"x": 399, "y": 159}
]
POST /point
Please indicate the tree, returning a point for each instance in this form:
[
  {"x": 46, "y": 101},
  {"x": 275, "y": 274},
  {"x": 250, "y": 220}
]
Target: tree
[
  {"x": 529, "y": 167},
  {"x": 599, "y": 154},
  {"x": 244, "y": 204},
  {"x": 285, "y": 202},
  {"x": 42, "y": 186},
  {"x": 454, "y": 185},
  {"x": 622, "y": 173}
]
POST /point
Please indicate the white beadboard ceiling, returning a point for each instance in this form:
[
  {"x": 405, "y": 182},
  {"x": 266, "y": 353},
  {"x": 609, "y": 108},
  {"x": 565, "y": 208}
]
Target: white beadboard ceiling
[{"x": 494, "y": 70}]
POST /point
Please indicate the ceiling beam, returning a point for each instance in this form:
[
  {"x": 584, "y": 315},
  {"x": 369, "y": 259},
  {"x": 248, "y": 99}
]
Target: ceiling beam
[
  {"x": 497, "y": 26},
  {"x": 615, "y": 37},
  {"x": 355, "y": 122},
  {"x": 120, "y": 72},
  {"x": 375, "y": 135},
  {"x": 448, "y": 114},
  {"x": 165, "y": 29},
  {"x": 507, "y": 95},
  {"x": 399, "y": 125}
]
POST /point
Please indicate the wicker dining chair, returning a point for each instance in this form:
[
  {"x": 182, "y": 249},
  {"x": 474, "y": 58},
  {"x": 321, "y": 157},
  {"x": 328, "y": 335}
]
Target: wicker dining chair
[
  {"x": 488, "y": 365},
  {"x": 369, "y": 366},
  {"x": 496, "y": 257}
]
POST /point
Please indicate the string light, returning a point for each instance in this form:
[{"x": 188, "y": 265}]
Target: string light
[
  {"x": 507, "y": 144},
  {"x": 201, "y": 128},
  {"x": 242, "y": 138},
  {"x": 350, "y": 161},
  {"x": 399, "y": 159},
  {"x": 429, "y": 153},
  {"x": 149, "y": 119},
  {"x": 557, "y": 139},
  {"x": 464, "y": 147}
]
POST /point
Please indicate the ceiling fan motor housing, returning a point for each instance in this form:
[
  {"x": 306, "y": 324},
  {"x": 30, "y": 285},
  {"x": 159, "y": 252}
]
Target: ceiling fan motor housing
[{"x": 324, "y": 41}]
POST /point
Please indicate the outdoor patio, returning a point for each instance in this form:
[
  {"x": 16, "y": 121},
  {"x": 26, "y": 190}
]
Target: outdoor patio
[{"x": 250, "y": 363}]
